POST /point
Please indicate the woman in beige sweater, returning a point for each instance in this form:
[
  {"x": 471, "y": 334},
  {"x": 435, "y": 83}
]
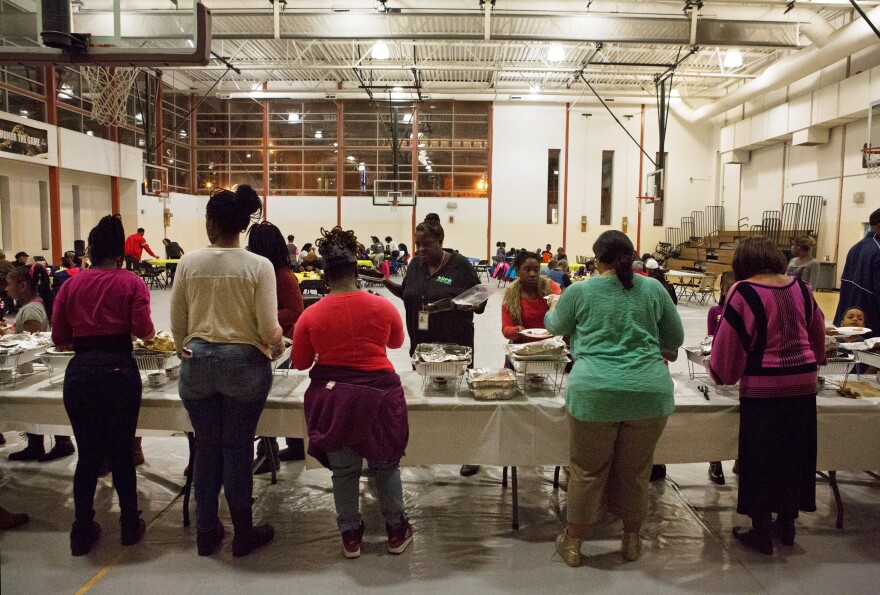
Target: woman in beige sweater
[{"x": 224, "y": 318}]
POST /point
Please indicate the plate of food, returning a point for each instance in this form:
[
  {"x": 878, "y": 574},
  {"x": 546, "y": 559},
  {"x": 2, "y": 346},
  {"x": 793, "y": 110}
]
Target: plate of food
[
  {"x": 851, "y": 331},
  {"x": 535, "y": 333}
]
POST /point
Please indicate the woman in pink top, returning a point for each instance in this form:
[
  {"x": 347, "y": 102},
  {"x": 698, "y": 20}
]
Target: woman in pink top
[
  {"x": 96, "y": 313},
  {"x": 355, "y": 408},
  {"x": 771, "y": 339}
]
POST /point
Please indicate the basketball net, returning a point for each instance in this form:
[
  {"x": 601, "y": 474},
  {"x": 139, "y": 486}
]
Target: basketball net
[
  {"x": 394, "y": 202},
  {"x": 871, "y": 160},
  {"x": 109, "y": 88}
]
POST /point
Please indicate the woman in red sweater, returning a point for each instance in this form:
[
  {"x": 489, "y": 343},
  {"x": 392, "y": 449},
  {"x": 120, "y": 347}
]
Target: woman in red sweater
[
  {"x": 524, "y": 305},
  {"x": 355, "y": 408},
  {"x": 266, "y": 240}
]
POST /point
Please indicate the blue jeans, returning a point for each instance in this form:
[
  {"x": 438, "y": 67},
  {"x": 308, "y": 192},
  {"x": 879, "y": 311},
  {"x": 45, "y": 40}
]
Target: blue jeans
[
  {"x": 224, "y": 388},
  {"x": 346, "y": 466}
]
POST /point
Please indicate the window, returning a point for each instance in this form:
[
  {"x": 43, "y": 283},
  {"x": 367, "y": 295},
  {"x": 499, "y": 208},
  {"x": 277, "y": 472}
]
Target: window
[
  {"x": 553, "y": 186},
  {"x": 607, "y": 187}
]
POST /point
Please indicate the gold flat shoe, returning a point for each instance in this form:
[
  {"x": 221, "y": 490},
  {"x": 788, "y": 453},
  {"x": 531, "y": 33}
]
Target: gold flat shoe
[
  {"x": 631, "y": 546},
  {"x": 569, "y": 549}
]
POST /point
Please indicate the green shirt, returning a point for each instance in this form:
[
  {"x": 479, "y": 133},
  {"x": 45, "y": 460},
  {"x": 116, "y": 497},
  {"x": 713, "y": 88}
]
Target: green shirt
[{"x": 616, "y": 337}]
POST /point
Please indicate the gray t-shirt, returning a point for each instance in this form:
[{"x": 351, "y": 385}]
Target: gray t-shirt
[
  {"x": 808, "y": 273},
  {"x": 31, "y": 311}
]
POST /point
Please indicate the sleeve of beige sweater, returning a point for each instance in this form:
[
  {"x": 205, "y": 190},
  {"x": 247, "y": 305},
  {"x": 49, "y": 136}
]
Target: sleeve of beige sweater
[
  {"x": 266, "y": 305},
  {"x": 179, "y": 308}
]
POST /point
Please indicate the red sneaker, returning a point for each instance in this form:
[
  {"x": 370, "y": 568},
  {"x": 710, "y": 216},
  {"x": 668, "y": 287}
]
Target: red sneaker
[
  {"x": 399, "y": 538},
  {"x": 351, "y": 542}
]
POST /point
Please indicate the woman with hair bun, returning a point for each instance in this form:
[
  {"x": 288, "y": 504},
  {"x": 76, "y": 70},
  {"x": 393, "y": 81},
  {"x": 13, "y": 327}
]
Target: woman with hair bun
[
  {"x": 224, "y": 318},
  {"x": 620, "y": 325},
  {"x": 803, "y": 266},
  {"x": 355, "y": 408}
]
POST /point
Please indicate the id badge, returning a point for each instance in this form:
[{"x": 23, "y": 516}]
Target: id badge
[{"x": 423, "y": 320}]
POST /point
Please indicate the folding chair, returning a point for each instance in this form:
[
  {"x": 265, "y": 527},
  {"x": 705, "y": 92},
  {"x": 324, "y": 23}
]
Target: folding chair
[
  {"x": 482, "y": 268},
  {"x": 706, "y": 289},
  {"x": 152, "y": 276}
]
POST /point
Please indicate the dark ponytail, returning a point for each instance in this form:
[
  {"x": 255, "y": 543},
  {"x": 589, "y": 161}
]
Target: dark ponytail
[
  {"x": 107, "y": 241},
  {"x": 615, "y": 251},
  {"x": 232, "y": 212},
  {"x": 431, "y": 226}
]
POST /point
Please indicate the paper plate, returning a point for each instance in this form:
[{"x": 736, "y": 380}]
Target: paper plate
[
  {"x": 535, "y": 333},
  {"x": 849, "y": 331}
]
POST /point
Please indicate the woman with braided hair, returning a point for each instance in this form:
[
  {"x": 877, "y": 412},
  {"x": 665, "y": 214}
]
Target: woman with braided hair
[
  {"x": 619, "y": 325},
  {"x": 354, "y": 406},
  {"x": 224, "y": 318}
]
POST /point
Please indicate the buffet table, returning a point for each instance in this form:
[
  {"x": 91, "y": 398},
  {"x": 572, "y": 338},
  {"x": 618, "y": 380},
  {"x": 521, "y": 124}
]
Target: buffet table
[{"x": 530, "y": 430}]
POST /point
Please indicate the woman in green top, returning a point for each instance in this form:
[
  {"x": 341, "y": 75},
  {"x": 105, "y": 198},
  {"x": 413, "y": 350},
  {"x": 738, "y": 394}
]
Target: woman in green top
[{"x": 619, "y": 391}]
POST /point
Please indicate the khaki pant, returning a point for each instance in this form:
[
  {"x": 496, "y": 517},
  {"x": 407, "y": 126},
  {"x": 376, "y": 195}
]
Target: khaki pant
[{"x": 611, "y": 465}]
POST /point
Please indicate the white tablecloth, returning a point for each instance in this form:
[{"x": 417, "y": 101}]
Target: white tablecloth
[{"x": 526, "y": 431}]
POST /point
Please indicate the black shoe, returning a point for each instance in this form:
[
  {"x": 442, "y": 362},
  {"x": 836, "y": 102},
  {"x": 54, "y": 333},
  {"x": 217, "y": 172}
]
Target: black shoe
[
  {"x": 758, "y": 541},
  {"x": 247, "y": 537},
  {"x": 83, "y": 536},
  {"x": 131, "y": 528},
  {"x": 716, "y": 473},
  {"x": 60, "y": 450},
  {"x": 468, "y": 470},
  {"x": 658, "y": 472},
  {"x": 2, "y": 439},
  {"x": 32, "y": 452},
  {"x": 208, "y": 542},
  {"x": 785, "y": 533}
]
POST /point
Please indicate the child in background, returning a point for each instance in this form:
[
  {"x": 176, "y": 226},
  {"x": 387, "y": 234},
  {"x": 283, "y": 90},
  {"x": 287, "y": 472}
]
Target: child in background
[{"x": 716, "y": 471}]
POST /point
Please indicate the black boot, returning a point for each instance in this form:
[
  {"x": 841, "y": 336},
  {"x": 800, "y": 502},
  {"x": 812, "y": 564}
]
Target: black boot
[
  {"x": 759, "y": 540},
  {"x": 716, "y": 473},
  {"x": 784, "y": 530},
  {"x": 131, "y": 527},
  {"x": 295, "y": 450},
  {"x": 658, "y": 472},
  {"x": 32, "y": 452},
  {"x": 84, "y": 533},
  {"x": 247, "y": 537},
  {"x": 207, "y": 542},
  {"x": 63, "y": 448}
]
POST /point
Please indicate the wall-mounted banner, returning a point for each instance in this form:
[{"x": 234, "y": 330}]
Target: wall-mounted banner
[{"x": 26, "y": 140}]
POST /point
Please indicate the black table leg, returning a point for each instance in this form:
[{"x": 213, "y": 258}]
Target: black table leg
[
  {"x": 187, "y": 487},
  {"x": 832, "y": 479},
  {"x": 515, "y": 499},
  {"x": 504, "y": 478},
  {"x": 556, "y": 479}
]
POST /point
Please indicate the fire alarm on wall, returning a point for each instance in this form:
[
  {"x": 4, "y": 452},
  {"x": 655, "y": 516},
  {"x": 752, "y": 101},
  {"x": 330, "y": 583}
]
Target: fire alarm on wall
[{"x": 452, "y": 219}]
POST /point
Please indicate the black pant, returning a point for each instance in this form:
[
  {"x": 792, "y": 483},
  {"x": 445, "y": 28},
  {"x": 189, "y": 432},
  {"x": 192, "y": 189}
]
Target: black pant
[{"x": 102, "y": 396}]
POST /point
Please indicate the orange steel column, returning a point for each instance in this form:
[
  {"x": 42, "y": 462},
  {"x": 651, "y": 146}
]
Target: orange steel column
[
  {"x": 193, "y": 176},
  {"x": 54, "y": 173},
  {"x": 565, "y": 187},
  {"x": 489, "y": 184},
  {"x": 340, "y": 172},
  {"x": 265, "y": 159},
  {"x": 158, "y": 128},
  {"x": 641, "y": 168}
]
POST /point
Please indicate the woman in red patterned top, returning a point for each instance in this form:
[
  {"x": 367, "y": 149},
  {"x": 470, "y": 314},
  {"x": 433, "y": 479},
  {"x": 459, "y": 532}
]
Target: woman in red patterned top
[{"x": 771, "y": 339}]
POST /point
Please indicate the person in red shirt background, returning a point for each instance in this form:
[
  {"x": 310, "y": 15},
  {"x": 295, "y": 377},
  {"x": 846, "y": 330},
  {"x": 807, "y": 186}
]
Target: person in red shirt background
[
  {"x": 135, "y": 244},
  {"x": 265, "y": 239}
]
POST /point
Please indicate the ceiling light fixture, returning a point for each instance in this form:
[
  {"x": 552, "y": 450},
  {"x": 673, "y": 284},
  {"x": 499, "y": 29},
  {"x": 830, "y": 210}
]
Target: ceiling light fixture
[
  {"x": 292, "y": 117},
  {"x": 381, "y": 51},
  {"x": 534, "y": 88},
  {"x": 556, "y": 53},
  {"x": 381, "y": 6},
  {"x": 350, "y": 157},
  {"x": 319, "y": 134},
  {"x": 733, "y": 59}
]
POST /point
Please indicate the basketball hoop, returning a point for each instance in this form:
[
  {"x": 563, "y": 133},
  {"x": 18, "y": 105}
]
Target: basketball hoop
[
  {"x": 648, "y": 200},
  {"x": 394, "y": 201},
  {"x": 871, "y": 161},
  {"x": 109, "y": 88}
]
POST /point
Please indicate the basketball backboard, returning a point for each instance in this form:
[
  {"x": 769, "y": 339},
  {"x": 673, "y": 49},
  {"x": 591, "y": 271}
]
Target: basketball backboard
[
  {"x": 654, "y": 184},
  {"x": 155, "y": 180},
  {"x": 113, "y": 32},
  {"x": 394, "y": 193}
]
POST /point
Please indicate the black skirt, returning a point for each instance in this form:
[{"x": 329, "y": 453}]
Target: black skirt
[{"x": 777, "y": 455}]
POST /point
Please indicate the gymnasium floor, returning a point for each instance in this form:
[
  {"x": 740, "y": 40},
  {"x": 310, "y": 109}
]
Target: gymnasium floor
[{"x": 463, "y": 540}]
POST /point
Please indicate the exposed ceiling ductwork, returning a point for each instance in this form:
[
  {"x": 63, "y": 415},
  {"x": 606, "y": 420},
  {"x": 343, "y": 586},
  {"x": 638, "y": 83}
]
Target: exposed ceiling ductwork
[{"x": 846, "y": 41}]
